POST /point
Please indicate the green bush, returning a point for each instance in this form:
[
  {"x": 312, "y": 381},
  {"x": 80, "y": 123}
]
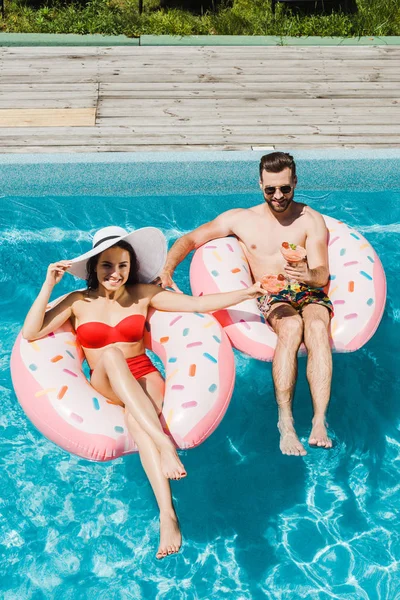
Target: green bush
[{"x": 240, "y": 17}]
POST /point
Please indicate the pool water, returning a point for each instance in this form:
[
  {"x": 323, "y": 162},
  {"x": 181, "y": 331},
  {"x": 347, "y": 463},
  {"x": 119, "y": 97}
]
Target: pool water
[{"x": 256, "y": 524}]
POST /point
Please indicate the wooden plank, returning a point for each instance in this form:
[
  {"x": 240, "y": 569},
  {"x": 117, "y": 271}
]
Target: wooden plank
[
  {"x": 260, "y": 52},
  {"x": 200, "y": 72},
  {"x": 284, "y": 87},
  {"x": 33, "y": 97},
  {"x": 238, "y": 68},
  {"x": 176, "y": 64},
  {"x": 49, "y": 117},
  {"x": 48, "y": 51},
  {"x": 334, "y": 88},
  {"x": 49, "y": 103},
  {"x": 209, "y": 140},
  {"x": 323, "y": 51},
  {"x": 280, "y": 80},
  {"x": 146, "y": 56},
  {"x": 121, "y": 132},
  {"x": 283, "y": 146},
  {"x": 49, "y": 77},
  {"x": 252, "y": 130},
  {"x": 284, "y": 82},
  {"x": 283, "y": 96},
  {"x": 60, "y": 88},
  {"x": 125, "y": 76},
  {"x": 226, "y": 121},
  {"x": 39, "y": 94},
  {"x": 140, "y": 111},
  {"x": 251, "y": 101},
  {"x": 126, "y": 148}
]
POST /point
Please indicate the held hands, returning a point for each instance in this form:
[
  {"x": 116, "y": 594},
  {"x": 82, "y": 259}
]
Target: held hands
[
  {"x": 55, "y": 272},
  {"x": 165, "y": 280},
  {"x": 256, "y": 290}
]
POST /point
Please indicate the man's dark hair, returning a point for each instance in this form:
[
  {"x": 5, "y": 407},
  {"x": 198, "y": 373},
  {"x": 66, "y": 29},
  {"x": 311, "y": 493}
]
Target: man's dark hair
[
  {"x": 275, "y": 162},
  {"x": 91, "y": 279}
]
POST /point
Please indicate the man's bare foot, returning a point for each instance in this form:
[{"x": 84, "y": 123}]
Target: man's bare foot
[
  {"x": 171, "y": 465},
  {"x": 289, "y": 442},
  {"x": 319, "y": 436},
  {"x": 170, "y": 535}
]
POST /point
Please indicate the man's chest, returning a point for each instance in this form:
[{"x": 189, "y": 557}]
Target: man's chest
[{"x": 262, "y": 237}]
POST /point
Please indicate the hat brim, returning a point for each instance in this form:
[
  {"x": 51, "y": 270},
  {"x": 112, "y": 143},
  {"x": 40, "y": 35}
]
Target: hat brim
[{"x": 150, "y": 247}]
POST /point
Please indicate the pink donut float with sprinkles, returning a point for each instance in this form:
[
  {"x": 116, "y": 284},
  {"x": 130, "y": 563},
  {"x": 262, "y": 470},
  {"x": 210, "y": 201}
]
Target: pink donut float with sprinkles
[
  {"x": 57, "y": 397},
  {"x": 357, "y": 289}
]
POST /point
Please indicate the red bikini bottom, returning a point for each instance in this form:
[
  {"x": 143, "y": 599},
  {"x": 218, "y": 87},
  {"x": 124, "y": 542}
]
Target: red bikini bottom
[{"x": 139, "y": 366}]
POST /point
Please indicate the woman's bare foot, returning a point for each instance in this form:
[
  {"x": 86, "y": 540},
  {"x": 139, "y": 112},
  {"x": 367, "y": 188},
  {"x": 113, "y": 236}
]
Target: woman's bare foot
[
  {"x": 171, "y": 465},
  {"x": 170, "y": 535},
  {"x": 319, "y": 435},
  {"x": 289, "y": 442}
]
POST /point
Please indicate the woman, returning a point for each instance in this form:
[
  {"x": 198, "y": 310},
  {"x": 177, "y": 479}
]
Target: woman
[{"x": 109, "y": 319}]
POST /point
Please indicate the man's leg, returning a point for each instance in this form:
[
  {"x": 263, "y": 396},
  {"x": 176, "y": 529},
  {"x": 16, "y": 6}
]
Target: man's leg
[
  {"x": 319, "y": 369},
  {"x": 288, "y": 325}
]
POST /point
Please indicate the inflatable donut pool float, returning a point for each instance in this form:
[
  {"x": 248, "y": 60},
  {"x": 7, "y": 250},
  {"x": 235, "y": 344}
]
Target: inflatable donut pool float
[
  {"x": 59, "y": 400},
  {"x": 357, "y": 289}
]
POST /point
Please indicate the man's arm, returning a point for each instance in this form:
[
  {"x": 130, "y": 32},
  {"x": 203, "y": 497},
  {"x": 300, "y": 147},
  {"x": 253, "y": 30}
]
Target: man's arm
[
  {"x": 317, "y": 251},
  {"x": 314, "y": 271},
  {"x": 222, "y": 226}
]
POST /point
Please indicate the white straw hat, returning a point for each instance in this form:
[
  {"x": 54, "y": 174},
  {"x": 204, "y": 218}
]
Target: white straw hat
[{"x": 149, "y": 244}]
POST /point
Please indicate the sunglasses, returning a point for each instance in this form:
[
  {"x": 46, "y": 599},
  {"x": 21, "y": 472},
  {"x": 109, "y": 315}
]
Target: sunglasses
[{"x": 270, "y": 190}]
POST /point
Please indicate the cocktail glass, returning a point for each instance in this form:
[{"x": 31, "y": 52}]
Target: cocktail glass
[{"x": 273, "y": 283}]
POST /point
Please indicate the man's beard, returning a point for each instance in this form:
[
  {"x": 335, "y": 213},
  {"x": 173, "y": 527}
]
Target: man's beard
[{"x": 279, "y": 208}]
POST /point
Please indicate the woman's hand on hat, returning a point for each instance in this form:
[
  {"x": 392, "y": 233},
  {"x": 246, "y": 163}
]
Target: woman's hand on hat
[{"x": 55, "y": 272}]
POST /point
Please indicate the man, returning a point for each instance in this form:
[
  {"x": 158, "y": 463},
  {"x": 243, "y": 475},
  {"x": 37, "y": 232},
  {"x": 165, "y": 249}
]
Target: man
[{"x": 302, "y": 311}]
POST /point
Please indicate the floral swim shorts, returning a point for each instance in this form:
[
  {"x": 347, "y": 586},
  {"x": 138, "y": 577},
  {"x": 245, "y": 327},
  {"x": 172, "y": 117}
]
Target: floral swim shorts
[{"x": 297, "y": 295}]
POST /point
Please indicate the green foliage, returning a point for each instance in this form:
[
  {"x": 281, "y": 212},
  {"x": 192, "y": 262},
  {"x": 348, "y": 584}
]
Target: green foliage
[
  {"x": 241, "y": 17},
  {"x": 171, "y": 22}
]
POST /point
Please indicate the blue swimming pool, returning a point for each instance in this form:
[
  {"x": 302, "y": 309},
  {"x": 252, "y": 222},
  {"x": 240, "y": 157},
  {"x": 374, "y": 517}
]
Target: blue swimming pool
[{"x": 256, "y": 524}]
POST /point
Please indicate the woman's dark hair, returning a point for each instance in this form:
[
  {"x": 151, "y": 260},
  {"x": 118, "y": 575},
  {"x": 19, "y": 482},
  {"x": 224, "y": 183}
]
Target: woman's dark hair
[
  {"x": 275, "y": 162},
  {"x": 91, "y": 279}
]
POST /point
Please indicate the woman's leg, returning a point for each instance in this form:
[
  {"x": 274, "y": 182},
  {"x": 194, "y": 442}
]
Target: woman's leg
[
  {"x": 112, "y": 378},
  {"x": 170, "y": 535}
]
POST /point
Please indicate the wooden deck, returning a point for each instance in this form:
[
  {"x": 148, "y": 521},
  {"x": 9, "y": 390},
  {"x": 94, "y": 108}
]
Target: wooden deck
[{"x": 158, "y": 98}]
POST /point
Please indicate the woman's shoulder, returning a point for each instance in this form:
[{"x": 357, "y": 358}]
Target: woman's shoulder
[
  {"x": 77, "y": 296},
  {"x": 70, "y": 301},
  {"x": 143, "y": 291}
]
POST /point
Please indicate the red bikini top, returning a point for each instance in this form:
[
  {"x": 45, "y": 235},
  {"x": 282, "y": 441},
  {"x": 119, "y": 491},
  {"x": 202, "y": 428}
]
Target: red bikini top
[{"x": 96, "y": 334}]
